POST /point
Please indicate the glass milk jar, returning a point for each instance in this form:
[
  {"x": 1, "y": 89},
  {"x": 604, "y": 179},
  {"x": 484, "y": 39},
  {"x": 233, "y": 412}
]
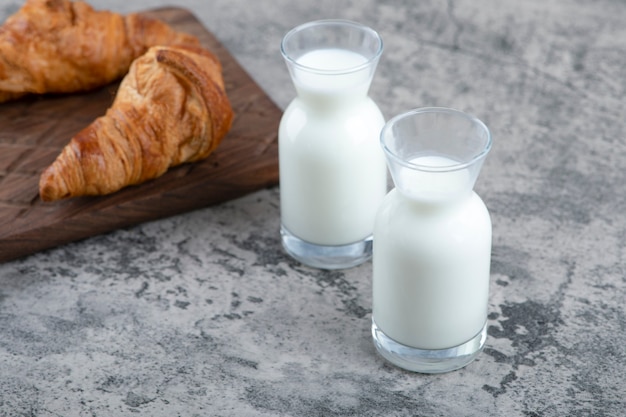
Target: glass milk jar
[
  {"x": 332, "y": 170},
  {"x": 432, "y": 243}
]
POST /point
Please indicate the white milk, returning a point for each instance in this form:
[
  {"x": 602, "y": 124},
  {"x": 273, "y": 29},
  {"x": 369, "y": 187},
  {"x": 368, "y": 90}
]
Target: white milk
[
  {"x": 324, "y": 78},
  {"x": 332, "y": 170},
  {"x": 434, "y": 186},
  {"x": 431, "y": 261}
]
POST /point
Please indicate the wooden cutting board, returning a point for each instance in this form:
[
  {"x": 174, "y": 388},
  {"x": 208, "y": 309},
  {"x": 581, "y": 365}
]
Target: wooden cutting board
[{"x": 33, "y": 132}]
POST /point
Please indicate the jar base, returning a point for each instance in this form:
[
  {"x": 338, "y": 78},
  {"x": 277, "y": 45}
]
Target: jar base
[
  {"x": 428, "y": 361},
  {"x": 326, "y": 257}
]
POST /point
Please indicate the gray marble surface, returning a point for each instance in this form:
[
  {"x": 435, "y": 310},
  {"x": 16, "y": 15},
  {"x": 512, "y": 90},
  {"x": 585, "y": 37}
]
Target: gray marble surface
[{"x": 204, "y": 315}]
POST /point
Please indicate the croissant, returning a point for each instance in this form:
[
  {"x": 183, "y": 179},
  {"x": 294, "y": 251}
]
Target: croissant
[
  {"x": 170, "y": 108},
  {"x": 60, "y": 46}
]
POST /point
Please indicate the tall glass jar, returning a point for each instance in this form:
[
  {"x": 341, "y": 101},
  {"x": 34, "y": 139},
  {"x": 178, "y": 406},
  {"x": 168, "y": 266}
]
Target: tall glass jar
[
  {"x": 432, "y": 243},
  {"x": 332, "y": 170}
]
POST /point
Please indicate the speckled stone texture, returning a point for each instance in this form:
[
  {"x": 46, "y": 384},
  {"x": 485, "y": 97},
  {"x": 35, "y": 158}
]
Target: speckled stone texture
[{"x": 204, "y": 315}]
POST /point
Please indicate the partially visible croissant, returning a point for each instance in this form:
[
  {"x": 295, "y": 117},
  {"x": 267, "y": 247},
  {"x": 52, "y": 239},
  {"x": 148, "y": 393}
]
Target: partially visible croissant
[
  {"x": 171, "y": 108},
  {"x": 61, "y": 46}
]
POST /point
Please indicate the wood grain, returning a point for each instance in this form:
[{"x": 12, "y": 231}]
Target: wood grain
[{"x": 34, "y": 130}]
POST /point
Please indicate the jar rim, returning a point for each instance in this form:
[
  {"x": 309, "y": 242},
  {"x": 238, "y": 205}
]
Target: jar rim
[
  {"x": 438, "y": 168},
  {"x": 330, "y": 23}
]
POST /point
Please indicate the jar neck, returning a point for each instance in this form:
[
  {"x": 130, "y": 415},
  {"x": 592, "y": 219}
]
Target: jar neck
[
  {"x": 330, "y": 102},
  {"x": 450, "y": 202}
]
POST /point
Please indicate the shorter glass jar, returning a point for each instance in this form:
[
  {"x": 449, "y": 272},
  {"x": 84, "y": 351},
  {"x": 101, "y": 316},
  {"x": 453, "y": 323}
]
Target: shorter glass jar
[{"x": 432, "y": 243}]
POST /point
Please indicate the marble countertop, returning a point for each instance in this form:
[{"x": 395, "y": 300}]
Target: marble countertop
[{"x": 203, "y": 314}]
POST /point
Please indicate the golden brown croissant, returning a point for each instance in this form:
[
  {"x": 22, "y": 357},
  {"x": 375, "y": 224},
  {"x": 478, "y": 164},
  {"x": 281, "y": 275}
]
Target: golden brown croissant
[
  {"x": 60, "y": 46},
  {"x": 171, "y": 108}
]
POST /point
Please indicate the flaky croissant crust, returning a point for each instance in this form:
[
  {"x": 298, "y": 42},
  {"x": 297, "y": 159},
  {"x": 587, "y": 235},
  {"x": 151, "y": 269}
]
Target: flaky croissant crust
[
  {"x": 64, "y": 46},
  {"x": 171, "y": 108}
]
